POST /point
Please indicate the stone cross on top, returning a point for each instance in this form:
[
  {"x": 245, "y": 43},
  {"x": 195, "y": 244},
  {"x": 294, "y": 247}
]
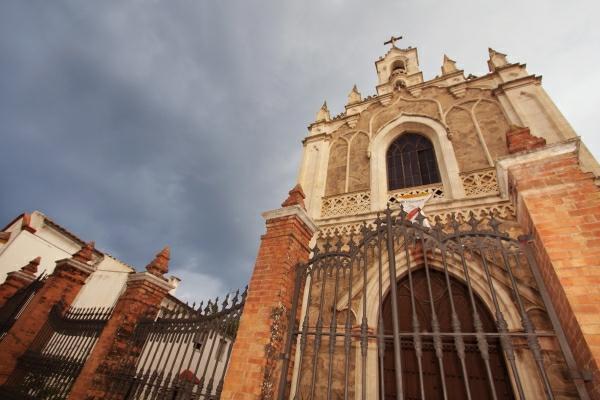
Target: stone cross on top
[{"x": 392, "y": 41}]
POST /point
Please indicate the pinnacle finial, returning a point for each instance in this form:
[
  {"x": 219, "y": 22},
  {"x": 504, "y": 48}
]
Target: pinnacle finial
[
  {"x": 26, "y": 223},
  {"x": 448, "y": 65},
  {"x": 323, "y": 113},
  {"x": 354, "y": 96},
  {"x": 496, "y": 59},
  {"x": 296, "y": 196},
  {"x": 85, "y": 254},
  {"x": 160, "y": 265},
  {"x": 32, "y": 267}
]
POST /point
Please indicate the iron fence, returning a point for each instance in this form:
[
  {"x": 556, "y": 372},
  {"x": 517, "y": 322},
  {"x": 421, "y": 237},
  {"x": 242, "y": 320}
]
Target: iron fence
[
  {"x": 401, "y": 310},
  {"x": 181, "y": 354},
  {"x": 50, "y": 366}
]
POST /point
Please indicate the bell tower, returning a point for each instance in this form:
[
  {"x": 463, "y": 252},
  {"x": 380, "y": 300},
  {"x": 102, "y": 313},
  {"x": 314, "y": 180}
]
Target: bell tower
[{"x": 397, "y": 68}]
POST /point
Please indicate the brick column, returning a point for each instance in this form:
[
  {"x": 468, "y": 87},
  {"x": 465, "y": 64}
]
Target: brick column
[
  {"x": 17, "y": 280},
  {"x": 560, "y": 206},
  {"x": 65, "y": 282},
  {"x": 143, "y": 295},
  {"x": 282, "y": 247}
]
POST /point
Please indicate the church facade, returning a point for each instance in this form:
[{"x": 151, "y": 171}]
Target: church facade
[
  {"x": 454, "y": 252},
  {"x": 442, "y": 242}
]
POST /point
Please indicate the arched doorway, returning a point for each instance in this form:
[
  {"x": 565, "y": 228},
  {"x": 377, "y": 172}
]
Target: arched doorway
[{"x": 431, "y": 372}]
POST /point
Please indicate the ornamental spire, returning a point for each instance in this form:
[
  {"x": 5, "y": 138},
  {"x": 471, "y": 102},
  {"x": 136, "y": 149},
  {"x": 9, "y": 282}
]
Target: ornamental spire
[
  {"x": 448, "y": 65},
  {"x": 354, "y": 96},
  {"x": 84, "y": 254},
  {"x": 296, "y": 197},
  {"x": 323, "y": 114},
  {"x": 32, "y": 267},
  {"x": 160, "y": 265}
]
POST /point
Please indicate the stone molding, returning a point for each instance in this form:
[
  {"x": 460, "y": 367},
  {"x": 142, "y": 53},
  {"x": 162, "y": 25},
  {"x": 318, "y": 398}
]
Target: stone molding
[
  {"x": 21, "y": 275},
  {"x": 289, "y": 211},
  {"x": 552, "y": 150},
  {"x": 150, "y": 278},
  {"x": 71, "y": 262}
]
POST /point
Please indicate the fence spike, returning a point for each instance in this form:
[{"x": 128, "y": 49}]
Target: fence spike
[
  {"x": 494, "y": 223},
  {"x": 226, "y": 301},
  {"x": 472, "y": 221}
]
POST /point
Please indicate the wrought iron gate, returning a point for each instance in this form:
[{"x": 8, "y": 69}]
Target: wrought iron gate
[
  {"x": 183, "y": 354},
  {"x": 50, "y": 366},
  {"x": 401, "y": 310}
]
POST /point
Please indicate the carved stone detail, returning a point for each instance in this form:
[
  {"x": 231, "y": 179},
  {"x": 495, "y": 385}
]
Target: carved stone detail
[
  {"x": 346, "y": 204},
  {"x": 481, "y": 182}
]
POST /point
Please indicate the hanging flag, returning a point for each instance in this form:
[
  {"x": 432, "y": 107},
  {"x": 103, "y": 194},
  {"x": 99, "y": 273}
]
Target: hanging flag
[{"x": 413, "y": 203}]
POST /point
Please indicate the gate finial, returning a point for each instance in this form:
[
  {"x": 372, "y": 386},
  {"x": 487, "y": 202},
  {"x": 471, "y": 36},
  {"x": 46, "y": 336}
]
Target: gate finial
[
  {"x": 85, "y": 253},
  {"x": 160, "y": 265},
  {"x": 32, "y": 267},
  {"x": 296, "y": 197}
]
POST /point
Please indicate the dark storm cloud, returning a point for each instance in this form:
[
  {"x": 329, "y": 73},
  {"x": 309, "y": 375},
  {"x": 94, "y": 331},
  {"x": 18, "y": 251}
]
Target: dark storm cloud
[{"x": 147, "y": 123}]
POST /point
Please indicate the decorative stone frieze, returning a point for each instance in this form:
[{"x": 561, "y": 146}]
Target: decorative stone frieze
[
  {"x": 480, "y": 183},
  {"x": 346, "y": 204}
]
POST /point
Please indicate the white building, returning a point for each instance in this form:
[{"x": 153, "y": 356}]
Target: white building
[{"x": 32, "y": 235}]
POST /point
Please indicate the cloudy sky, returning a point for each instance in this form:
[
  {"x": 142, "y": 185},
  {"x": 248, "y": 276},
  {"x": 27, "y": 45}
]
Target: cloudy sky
[{"x": 143, "y": 123}]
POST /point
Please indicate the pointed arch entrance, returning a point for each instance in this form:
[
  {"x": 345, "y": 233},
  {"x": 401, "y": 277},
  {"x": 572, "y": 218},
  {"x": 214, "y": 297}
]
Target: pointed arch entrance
[
  {"x": 462, "y": 316},
  {"x": 447, "y": 295}
]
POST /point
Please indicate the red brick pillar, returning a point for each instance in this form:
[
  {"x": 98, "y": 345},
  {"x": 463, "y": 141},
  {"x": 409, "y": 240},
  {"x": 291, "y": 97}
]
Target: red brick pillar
[
  {"x": 282, "y": 247},
  {"x": 17, "y": 280},
  {"x": 144, "y": 293},
  {"x": 559, "y": 205},
  {"x": 65, "y": 282}
]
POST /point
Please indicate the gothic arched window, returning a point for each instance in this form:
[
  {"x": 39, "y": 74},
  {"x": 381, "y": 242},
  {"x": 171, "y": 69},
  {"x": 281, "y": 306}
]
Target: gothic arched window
[{"x": 411, "y": 162}]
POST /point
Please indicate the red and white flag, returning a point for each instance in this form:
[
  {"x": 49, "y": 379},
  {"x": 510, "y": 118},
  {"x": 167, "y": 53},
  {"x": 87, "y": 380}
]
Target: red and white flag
[{"x": 413, "y": 203}]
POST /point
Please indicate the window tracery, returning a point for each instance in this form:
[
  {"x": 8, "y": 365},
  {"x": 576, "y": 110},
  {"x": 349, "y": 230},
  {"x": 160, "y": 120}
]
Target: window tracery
[{"x": 411, "y": 162}]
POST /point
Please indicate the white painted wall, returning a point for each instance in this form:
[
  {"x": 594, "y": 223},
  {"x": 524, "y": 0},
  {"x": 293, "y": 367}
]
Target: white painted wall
[{"x": 102, "y": 288}]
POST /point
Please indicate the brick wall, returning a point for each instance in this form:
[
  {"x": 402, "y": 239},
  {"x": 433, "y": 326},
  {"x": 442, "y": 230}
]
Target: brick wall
[
  {"x": 63, "y": 285},
  {"x": 283, "y": 246},
  {"x": 144, "y": 293},
  {"x": 17, "y": 280},
  {"x": 560, "y": 205},
  {"x": 520, "y": 139}
]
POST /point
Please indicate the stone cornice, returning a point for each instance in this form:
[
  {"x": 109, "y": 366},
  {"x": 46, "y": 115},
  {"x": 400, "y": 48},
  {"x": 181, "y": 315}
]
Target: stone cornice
[
  {"x": 369, "y": 99},
  {"x": 315, "y": 138},
  {"x": 294, "y": 210},
  {"x": 22, "y": 276},
  {"x": 83, "y": 267},
  {"x": 552, "y": 150},
  {"x": 517, "y": 83},
  {"x": 152, "y": 279}
]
